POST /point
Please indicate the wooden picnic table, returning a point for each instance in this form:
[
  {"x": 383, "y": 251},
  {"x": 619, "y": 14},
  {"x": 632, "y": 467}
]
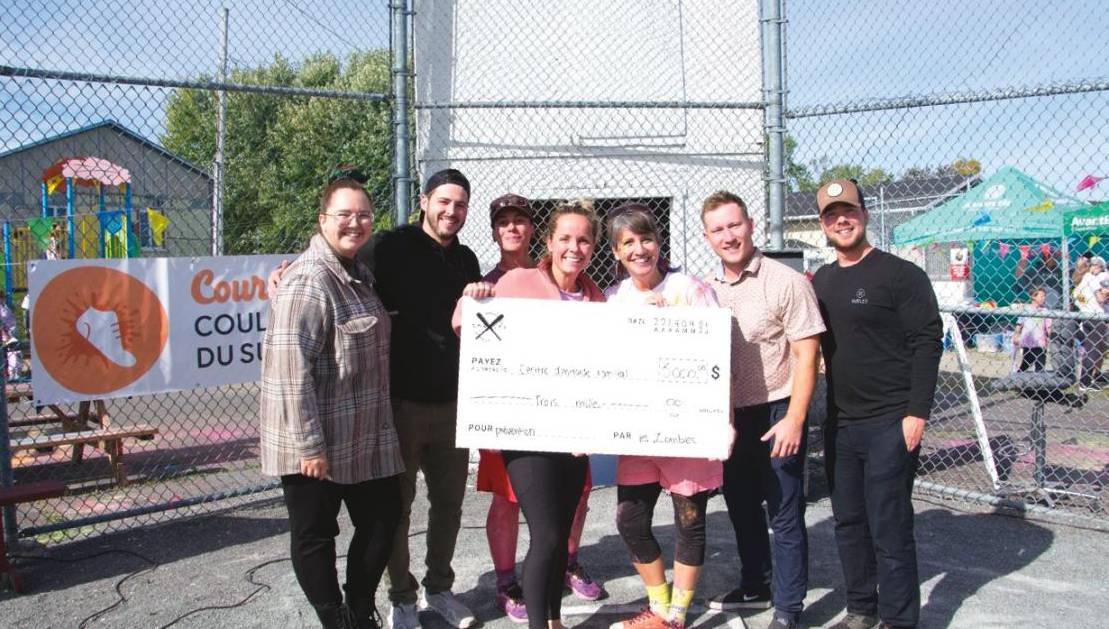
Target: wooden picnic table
[{"x": 86, "y": 427}]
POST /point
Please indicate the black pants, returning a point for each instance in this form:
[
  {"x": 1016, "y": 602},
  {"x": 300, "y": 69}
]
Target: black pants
[
  {"x": 752, "y": 476},
  {"x": 548, "y": 486},
  {"x": 374, "y": 507},
  {"x": 635, "y": 509},
  {"x": 871, "y": 478},
  {"x": 1033, "y": 359}
]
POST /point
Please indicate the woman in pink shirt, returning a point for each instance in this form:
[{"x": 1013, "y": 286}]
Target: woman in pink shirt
[
  {"x": 640, "y": 479},
  {"x": 548, "y": 485}
]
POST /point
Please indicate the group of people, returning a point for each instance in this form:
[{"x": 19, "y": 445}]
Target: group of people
[{"x": 360, "y": 380}]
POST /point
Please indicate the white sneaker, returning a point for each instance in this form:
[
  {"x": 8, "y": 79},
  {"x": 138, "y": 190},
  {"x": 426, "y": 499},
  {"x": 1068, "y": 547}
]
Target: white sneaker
[
  {"x": 101, "y": 329},
  {"x": 447, "y": 606},
  {"x": 404, "y": 616}
]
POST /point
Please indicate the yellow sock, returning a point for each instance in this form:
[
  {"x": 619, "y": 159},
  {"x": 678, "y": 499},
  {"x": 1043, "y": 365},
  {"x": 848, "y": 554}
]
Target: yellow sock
[
  {"x": 679, "y": 604},
  {"x": 658, "y": 597}
]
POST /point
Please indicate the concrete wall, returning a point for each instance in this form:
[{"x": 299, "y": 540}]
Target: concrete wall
[{"x": 470, "y": 51}]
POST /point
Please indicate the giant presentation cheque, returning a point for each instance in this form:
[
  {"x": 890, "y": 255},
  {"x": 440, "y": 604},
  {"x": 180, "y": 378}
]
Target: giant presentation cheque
[{"x": 595, "y": 378}]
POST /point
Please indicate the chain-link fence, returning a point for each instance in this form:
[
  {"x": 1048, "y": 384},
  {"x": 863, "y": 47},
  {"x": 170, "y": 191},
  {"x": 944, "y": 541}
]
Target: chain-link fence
[
  {"x": 975, "y": 131},
  {"x": 969, "y": 128},
  {"x": 154, "y": 128}
]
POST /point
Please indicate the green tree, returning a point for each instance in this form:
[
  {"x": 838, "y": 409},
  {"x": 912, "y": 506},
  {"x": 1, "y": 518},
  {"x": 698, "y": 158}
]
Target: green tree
[
  {"x": 279, "y": 149},
  {"x": 798, "y": 176},
  {"x": 867, "y": 177}
]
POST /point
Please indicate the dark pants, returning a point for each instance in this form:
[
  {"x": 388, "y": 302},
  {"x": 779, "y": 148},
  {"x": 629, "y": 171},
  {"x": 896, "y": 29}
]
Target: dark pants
[
  {"x": 1033, "y": 359},
  {"x": 548, "y": 486},
  {"x": 871, "y": 478},
  {"x": 751, "y": 477},
  {"x": 374, "y": 508},
  {"x": 426, "y": 433}
]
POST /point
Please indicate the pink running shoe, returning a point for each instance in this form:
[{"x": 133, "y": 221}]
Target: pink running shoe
[
  {"x": 511, "y": 601},
  {"x": 579, "y": 581}
]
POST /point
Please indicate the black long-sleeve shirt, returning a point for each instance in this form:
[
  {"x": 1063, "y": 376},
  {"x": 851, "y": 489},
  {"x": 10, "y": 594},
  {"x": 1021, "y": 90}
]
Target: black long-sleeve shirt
[
  {"x": 419, "y": 281},
  {"x": 883, "y": 344}
]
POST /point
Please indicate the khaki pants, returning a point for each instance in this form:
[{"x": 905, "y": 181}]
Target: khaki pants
[{"x": 426, "y": 432}]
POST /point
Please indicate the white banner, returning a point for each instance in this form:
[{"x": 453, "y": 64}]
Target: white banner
[
  {"x": 111, "y": 328},
  {"x": 594, "y": 378}
]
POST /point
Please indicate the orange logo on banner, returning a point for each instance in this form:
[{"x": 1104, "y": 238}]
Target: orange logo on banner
[{"x": 97, "y": 329}]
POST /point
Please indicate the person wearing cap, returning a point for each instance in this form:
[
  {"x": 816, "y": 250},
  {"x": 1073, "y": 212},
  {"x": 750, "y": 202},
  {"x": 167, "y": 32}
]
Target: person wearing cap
[
  {"x": 513, "y": 226},
  {"x": 775, "y": 352},
  {"x": 1093, "y": 332},
  {"x": 882, "y": 352},
  {"x": 421, "y": 271}
]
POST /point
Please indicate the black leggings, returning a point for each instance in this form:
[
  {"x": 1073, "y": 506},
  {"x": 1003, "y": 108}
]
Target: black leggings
[
  {"x": 374, "y": 507},
  {"x": 548, "y": 486},
  {"x": 634, "y": 511}
]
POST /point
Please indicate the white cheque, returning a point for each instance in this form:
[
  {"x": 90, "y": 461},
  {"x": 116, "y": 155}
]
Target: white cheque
[{"x": 596, "y": 378}]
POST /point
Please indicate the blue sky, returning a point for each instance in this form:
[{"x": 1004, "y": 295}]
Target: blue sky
[
  {"x": 843, "y": 51},
  {"x": 906, "y": 47}
]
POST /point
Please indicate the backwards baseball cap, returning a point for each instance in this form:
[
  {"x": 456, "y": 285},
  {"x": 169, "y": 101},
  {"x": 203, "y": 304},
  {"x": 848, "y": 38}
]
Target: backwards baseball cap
[
  {"x": 446, "y": 176},
  {"x": 509, "y": 201},
  {"x": 838, "y": 191}
]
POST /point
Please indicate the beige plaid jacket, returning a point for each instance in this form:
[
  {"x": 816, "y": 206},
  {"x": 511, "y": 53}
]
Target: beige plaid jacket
[{"x": 325, "y": 373}]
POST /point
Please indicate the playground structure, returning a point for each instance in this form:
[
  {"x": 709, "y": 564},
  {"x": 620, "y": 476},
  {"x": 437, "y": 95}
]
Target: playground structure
[{"x": 106, "y": 233}]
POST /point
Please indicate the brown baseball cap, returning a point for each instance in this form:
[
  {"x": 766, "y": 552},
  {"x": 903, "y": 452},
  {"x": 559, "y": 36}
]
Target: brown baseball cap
[
  {"x": 838, "y": 191},
  {"x": 507, "y": 202}
]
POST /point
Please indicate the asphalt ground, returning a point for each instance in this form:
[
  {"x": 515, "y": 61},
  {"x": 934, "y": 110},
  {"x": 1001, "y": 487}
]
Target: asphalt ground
[{"x": 230, "y": 569}]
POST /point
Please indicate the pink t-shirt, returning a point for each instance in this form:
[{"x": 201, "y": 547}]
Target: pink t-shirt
[{"x": 682, "y": 476}]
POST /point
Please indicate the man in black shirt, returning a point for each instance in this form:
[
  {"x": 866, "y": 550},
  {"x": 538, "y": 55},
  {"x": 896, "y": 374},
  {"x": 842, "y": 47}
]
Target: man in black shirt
[
  {"x": 420, "y": 272},
  {"x": 882, "y": 352}
]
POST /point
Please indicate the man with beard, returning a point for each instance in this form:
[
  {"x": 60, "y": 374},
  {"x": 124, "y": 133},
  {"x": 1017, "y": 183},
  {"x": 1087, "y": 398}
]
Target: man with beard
[
  {"x": 420, "y": 272},
  {"x": 882, "y": 352}
]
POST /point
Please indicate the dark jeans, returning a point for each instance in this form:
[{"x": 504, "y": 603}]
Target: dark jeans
[
  {"x": 871, "y": 478},
  {"x": 548, "y": 486},
  {"x": 751, "y": 476},
  {"x": 374, "y": 507}
]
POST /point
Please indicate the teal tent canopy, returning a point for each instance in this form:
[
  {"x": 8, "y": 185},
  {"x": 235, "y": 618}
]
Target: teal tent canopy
[{"x": 1009, "y": 205}]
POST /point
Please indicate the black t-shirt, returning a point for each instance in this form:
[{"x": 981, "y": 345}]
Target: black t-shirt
[
  {"x": 419, "y": 281},
  {"x": 883, "y": 344}
]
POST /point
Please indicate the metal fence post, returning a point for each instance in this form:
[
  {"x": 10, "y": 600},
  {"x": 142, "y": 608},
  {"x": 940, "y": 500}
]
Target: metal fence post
[
  {"x": 775, "y": 123},
  {"x": 402, "y": 178},
  {"x": 11, "y": 526},
  {"x": 221, "y": 132}
]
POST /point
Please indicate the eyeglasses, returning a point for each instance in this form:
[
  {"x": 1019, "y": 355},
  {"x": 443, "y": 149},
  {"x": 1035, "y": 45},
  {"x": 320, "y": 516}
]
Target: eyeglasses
[{"x": 345, "y": 216}]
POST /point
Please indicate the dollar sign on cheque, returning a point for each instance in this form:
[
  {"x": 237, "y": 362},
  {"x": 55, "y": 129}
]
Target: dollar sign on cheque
[{"x": 715, "y": 372}]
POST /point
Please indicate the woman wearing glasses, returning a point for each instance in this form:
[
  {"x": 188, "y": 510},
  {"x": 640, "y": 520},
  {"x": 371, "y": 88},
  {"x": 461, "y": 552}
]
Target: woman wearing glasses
[
  {"x": 326, "y": 420},
  {"x": 641, "y": 479}
]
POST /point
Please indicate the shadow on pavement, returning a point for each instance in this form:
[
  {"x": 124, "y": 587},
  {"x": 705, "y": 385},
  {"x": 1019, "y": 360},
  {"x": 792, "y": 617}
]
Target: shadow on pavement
[{"x": 93, "y": 559}]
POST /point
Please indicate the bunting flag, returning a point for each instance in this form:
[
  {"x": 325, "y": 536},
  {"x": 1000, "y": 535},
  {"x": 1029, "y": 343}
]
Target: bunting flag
[
  {"x": 1042, "y": 206},
  {"x": 934, "y": 246},
  {"x": 1024, "y": 251},
  {"x": 1093, "y": 240},
  {"x": 53, "y": 183},
  {"x": 113, "y": 234},
  {"x": 1002, "y": 249},
  {"x": 158, "y": 223},
  {"x": 40, "y": 229},
  {"x": 1045, "y": 248},
  {"x": 1089, "y": 181},
  {"x": 970, "y": 246}
]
